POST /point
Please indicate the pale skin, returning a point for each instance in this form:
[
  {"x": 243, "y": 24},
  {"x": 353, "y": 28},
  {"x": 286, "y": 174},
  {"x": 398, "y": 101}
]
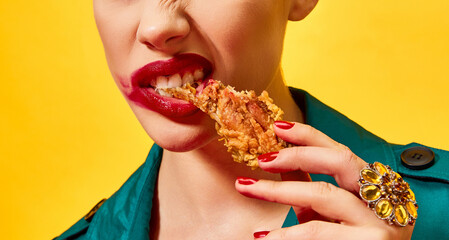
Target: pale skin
[{"x": 197, "y": 194}]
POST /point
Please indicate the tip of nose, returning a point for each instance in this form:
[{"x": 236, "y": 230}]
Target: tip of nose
[{"x": 162, "y": 34}]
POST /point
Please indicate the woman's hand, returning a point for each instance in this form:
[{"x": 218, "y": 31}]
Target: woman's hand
[{"x": 324, "y": 211}]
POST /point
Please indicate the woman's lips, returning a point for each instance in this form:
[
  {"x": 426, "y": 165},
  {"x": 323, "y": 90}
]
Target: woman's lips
[{"x": 145, "y": 79}]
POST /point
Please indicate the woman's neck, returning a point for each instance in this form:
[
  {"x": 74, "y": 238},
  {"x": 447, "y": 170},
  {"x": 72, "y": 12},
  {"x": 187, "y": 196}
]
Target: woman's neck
[
  {"x": 206, "y": 176},
  {"x": 282, "y": 98}
]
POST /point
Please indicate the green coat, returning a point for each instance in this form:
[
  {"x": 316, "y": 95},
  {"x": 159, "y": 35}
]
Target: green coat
[{"x": 126, "y": 214}]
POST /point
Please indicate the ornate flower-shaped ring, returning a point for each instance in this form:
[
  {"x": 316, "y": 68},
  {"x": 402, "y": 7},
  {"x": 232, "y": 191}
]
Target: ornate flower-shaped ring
[{"x": 388, "y": 195}]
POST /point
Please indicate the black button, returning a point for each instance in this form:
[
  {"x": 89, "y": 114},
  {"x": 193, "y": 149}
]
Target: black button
[
  {"x": 418, "y": 158},
  {"x": 94, "y": 210}
]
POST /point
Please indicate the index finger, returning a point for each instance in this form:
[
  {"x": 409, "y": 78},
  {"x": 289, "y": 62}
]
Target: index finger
[{"x": 303, "y": 135}]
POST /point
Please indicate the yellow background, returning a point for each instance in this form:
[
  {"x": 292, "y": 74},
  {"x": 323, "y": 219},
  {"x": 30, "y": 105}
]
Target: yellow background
[{"x": 68, "y": 138}]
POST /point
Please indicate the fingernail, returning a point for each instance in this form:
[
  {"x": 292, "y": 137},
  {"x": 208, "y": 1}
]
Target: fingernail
[
  {"x": 260, "y": 234},
  {"x": 246, "y": 181},
  {"x": 283, "y": 124},
  {"x": 268, "y": 157}
]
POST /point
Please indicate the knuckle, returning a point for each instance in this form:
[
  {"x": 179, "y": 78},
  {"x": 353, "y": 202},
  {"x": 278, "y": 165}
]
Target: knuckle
[
  {"x": 298, "y": 151},
  {"x": 348, "y": 156},
  {"x": 324, "y": 188},
  {"x": 283, "y": 234},
  {"x": 313, "y": 228},
  {"x": 271, "y": 192},
  {"x": 342, "y": 147},
  {"x": 305, "y": 132},
  {"x": 293, "y": 161}
]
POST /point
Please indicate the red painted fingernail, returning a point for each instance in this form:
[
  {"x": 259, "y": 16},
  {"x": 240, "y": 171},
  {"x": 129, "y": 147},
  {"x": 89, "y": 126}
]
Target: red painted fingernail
[
  {"x": 268, "y": 157},
  {"x": 260, "y": 234},
  {"x": 283, "y": 124},
  {"x": 246, "y": 181}
]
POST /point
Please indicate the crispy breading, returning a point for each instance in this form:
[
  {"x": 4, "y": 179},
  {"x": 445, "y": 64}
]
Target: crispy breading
[{"x": 243, "y": 119}]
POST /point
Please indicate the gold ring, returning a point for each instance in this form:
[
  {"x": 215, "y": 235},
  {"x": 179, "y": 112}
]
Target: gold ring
[{"x": 388, "y": 195}]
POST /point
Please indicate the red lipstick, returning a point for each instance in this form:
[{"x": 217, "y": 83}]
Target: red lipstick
[{"x": 142, "y": 80}]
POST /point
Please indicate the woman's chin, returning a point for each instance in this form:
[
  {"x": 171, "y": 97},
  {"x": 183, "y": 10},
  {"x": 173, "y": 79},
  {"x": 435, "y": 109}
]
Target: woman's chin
[
  {"x": 185, "y": 143},
  {"x": 177, "y": 134}
]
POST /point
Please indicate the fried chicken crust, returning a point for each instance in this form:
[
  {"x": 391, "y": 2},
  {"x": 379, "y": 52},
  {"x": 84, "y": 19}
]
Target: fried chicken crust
[{"x": 243, "y": 120}]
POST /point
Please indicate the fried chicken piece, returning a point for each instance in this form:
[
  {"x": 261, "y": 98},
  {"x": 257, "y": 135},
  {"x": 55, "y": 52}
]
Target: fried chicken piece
[{"x": 243, "y": 119}]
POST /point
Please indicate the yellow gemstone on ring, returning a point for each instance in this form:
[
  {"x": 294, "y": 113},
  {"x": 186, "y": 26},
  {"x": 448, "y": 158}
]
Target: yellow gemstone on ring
[
  {"x": 370, "y": 192},
  {"x": 411, "y": 209},
  {"x": 380, "y": 168},
  {"x": 370, "y": 176},
  {"x": 384, "y": 208},
  {"x": 401, "y": 215},
  {"x": 411, "y": 195}
]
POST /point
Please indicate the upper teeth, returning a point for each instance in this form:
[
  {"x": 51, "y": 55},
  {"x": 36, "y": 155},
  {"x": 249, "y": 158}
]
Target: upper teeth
[{"x": 177, "y": 81}]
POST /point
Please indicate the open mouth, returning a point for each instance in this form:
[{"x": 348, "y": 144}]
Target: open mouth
[{"x": 148, "y": 82}]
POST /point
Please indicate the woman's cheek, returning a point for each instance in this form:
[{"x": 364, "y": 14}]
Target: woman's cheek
[{"x": 248, "y": 43}]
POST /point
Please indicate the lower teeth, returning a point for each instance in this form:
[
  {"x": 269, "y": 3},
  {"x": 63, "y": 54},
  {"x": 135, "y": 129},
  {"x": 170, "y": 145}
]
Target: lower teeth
[{"x": 163, "y": 93}]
